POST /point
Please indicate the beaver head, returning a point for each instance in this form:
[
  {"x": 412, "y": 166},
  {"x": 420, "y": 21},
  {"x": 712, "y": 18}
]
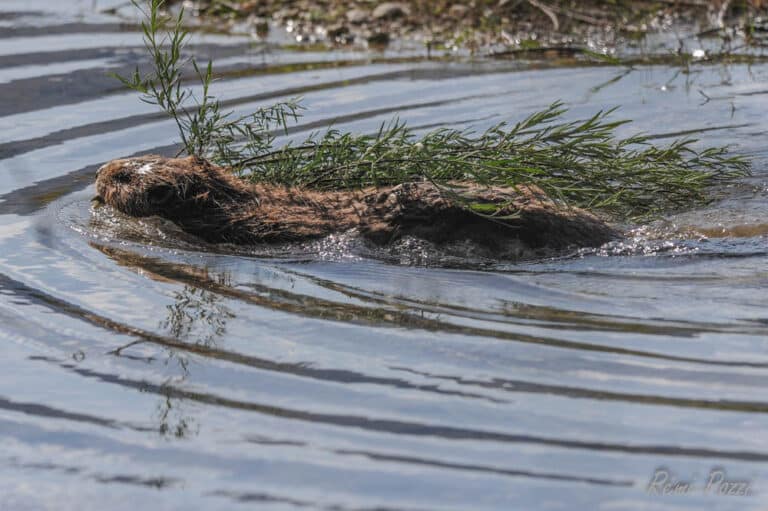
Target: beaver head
[
  {"x": 167, "y": 187},
  {"x": 191, "y": 192}
]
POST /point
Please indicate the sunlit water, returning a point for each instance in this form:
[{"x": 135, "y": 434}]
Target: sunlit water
[{"x": 141, "y": 369}]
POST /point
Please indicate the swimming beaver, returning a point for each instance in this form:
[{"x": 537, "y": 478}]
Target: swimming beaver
[{"x": 209, "y": 202}]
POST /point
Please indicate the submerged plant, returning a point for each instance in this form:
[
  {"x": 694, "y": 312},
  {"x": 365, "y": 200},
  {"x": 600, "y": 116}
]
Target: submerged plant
[{"x": 582, "y": 163}]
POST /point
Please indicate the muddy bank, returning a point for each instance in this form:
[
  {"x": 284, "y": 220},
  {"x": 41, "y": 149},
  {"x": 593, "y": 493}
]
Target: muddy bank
[{"x": 481, "y": 24}]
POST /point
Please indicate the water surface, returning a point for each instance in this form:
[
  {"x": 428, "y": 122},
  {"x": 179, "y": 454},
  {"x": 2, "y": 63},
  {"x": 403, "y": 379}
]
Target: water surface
[{"x": 143, "y": 369}]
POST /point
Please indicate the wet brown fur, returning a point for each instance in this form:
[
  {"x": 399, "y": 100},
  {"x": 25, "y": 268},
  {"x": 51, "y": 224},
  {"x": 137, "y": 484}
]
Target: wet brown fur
[{"x": 209, "y": 202}]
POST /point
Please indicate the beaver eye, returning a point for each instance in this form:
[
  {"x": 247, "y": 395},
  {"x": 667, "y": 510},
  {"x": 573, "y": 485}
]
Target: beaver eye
[{"x": 122, "y": 177}]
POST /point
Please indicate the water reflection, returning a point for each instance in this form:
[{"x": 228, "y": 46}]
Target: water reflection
[
  {"x": 174, "y": 415},
  {"x": 197, "y": 315}
]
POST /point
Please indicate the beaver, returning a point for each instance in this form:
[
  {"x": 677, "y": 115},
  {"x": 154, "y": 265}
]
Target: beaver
[{"x": 211, "y": 203}]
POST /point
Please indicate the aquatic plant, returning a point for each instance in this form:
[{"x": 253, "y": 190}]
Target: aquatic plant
[{"x": 583, "y": 162}]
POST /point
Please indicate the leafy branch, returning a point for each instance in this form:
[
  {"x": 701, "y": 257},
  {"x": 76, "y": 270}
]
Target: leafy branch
[
  {"x": 579, "y": 162},
  {"x": 205, "y": 130}
]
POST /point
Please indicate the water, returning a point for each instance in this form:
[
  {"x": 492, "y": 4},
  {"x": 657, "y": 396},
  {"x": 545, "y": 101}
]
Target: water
[{"x": 143, "y": 370}]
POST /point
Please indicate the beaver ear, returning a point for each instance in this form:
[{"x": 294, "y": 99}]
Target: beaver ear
[{"x": 160, "y": 195}]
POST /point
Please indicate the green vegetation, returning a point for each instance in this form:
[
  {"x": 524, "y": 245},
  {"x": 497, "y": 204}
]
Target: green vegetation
[
  {"x": 581, "y": 162},
  {"x": 205, "y": 130}
]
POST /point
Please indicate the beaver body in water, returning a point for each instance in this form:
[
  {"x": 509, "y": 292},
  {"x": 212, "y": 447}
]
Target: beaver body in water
[{"x": 207, "y": 201}]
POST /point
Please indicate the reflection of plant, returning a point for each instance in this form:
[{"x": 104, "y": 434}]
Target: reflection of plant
[
  {"x": 197, "y": 315},
  {"x": 173, "y": 421}
]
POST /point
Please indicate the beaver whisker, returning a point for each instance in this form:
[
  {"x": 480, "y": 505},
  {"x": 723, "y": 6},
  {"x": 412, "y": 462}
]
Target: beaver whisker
[{"x": 211, "y": 203}]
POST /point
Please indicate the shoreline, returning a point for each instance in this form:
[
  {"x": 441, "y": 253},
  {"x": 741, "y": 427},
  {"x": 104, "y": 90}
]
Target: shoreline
[{"x": 485, "y": 27}]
